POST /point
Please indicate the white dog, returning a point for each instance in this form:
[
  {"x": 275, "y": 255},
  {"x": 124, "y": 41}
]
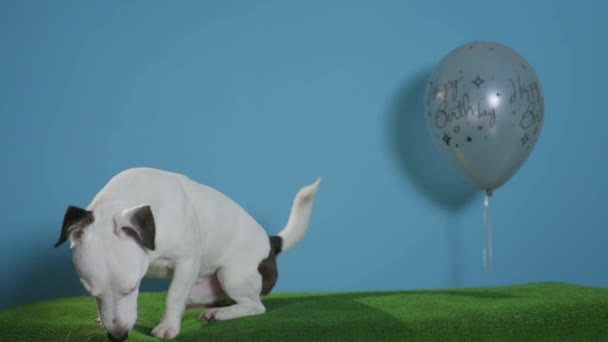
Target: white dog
[{"x": 148, "y": 222}]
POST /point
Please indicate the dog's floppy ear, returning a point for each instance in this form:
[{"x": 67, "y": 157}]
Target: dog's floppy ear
[
  {"x": 74, "y": 219},
  {"x": 138, "y": 223}
]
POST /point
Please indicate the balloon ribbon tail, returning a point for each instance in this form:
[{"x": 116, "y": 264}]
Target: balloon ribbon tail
[{"x": 487, "y": 245}]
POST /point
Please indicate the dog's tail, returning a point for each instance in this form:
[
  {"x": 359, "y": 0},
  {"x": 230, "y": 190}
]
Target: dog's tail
[{"x": 298, "y": 219}]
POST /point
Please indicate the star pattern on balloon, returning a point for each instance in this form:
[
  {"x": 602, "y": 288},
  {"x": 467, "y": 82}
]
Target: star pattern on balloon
[
  {"x": 446, "y": 138},
  {"x": 478, "y": 81}
]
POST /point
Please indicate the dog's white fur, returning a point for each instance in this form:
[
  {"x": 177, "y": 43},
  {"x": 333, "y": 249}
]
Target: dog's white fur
[{"x": 203, "y": 239}]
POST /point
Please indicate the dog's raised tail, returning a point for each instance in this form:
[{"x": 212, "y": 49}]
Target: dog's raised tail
[{"x": 298, "y": 219}]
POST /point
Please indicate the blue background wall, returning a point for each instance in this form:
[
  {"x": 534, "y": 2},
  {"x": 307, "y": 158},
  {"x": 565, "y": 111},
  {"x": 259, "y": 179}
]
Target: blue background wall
[{"x": 260, "y": 98}]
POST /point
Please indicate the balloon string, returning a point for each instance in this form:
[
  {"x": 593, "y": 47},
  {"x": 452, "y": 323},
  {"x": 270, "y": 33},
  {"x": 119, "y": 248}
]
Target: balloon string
[{"x": 487, "y": 244}]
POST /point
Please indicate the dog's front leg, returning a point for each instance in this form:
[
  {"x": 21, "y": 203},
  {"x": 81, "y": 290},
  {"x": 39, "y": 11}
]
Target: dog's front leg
[{"x": 184, "y": 276}]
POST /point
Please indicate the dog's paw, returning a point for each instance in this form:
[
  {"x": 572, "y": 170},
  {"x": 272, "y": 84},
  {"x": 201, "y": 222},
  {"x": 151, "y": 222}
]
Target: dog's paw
[
  {"x": 166, "y": 331},
  {"x": 209, "y": 314},
  {"x": 98, "y": 320}
]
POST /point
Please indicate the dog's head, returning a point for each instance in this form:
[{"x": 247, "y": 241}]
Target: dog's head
[{"x": 109, "y": 251}]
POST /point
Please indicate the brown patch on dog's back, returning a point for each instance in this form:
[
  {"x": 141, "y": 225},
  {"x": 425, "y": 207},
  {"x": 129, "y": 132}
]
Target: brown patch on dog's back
[{"x": 268, "y": 267}]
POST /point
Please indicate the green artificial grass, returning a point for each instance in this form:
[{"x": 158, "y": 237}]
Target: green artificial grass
[{"x": 549, "y": 311}]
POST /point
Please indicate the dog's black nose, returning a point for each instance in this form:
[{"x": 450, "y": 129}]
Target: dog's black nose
[{"x": 121, "y": 338}]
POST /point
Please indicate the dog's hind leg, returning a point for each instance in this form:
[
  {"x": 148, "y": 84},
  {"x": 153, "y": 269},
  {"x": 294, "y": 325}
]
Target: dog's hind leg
[
  {"x": 205, "y": 292},
  {"x": 243, "y": 285}
]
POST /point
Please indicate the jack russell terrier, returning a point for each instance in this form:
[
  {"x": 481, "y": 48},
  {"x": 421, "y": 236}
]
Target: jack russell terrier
[{"x": 148, "y": 222}]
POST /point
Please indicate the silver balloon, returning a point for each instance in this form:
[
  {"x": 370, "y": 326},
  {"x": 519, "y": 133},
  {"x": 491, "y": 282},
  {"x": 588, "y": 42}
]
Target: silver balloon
[{"x": 484, "y": 110}]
